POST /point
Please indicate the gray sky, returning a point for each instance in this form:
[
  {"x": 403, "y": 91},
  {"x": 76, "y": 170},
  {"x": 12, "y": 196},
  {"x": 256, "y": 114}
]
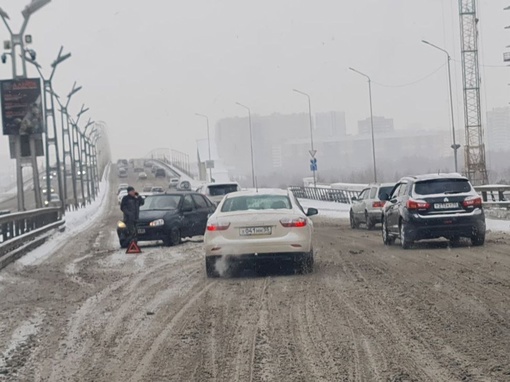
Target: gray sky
[{"x": 147, "y": 67}]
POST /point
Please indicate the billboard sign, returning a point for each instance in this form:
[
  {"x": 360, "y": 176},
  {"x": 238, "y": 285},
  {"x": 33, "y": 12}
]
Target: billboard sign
[{"x": 22, "y": 106}]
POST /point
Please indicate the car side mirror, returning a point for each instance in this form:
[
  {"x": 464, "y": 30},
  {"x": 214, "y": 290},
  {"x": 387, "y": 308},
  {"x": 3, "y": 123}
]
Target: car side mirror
[
  {"x": 187, "y": 209},
  {"x": 354, "y": 199},
  {"x": 394, "y": 200},
  {"x": 312, "y": 212}
]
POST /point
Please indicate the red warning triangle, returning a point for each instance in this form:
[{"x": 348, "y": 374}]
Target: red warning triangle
[{"x": 133, "y": 248}]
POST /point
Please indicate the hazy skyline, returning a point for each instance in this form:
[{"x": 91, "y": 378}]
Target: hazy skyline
[{"x": 146, "y": 70}]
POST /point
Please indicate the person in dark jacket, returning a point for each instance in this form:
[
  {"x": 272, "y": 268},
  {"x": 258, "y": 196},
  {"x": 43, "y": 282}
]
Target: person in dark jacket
[{"x": 130, "y": 206}]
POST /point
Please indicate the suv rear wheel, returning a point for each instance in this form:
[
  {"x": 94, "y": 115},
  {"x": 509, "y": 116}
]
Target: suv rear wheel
[
  {"x": 478, "y": 239},
  {"x": 404, "y": 240}
]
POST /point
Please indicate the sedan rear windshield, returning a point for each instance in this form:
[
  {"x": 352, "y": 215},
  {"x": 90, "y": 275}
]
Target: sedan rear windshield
[
  {"x": 222, "y": 189},
  {"x": 385, "y": 192},
  {"x": 161, "y": 202},
  {"x": 256, "y": 202},
  {"x": 442, "y": 186}
]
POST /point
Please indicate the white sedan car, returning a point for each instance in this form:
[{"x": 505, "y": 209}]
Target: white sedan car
[
  {"x": 264, "y": 225},
  {"x": 121, "y": 195}
]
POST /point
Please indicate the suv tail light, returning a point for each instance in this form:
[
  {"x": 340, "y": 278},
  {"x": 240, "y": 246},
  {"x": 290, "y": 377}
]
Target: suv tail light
[
  {"x": 417, "y": 205},
  {"x": 218, "y": 226},
  {"x": 472, "y": 202},
  {"x": 293, "y": 222},
  {"x": 379, "y": 204}
]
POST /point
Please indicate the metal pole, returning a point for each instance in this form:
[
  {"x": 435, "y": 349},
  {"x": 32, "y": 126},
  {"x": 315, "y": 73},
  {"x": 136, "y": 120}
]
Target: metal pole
[
  {"x": 208, "y": 143},
  {"x": 372, "y": 127},
  {"x": 251, "y": 151},
  {"x": 251, "y": 144},
  {"x": 455, "y": 147},
  {"x": 209, "y": 146},
  {"x": 371, "y": 118},
  {"x": 312, "y": 149},
  {"x": 311, "y": 138}
]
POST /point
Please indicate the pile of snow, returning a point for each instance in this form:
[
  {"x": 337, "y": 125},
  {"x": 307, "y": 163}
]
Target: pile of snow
[
  {"x": 76, "y": 221},
  {"x": 341, "y": 211},
  {"x": 327, "y": 209}
]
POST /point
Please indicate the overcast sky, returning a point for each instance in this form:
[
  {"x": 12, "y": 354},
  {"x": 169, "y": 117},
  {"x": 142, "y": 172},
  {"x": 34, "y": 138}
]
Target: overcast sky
[{"x": 147, "y": 67}]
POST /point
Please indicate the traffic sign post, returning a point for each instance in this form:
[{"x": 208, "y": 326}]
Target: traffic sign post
[{"x": 313, "y": 166}]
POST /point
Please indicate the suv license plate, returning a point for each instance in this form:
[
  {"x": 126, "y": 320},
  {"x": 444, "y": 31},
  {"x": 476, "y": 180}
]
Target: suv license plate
[
  {"x": 252, "y": 231},
  {"x": 141, "y": 231},
  {"x": 445, "y": 206}
]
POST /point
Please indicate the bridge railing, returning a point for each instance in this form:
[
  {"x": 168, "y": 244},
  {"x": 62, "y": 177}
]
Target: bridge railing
[
  {"x": 495, "y": 196},
  {"x": 25, "y": 230},
  {"x": 324, "y": 194}
]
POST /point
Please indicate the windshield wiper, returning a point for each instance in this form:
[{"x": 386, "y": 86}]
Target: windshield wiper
[{"x": 453, "y": 192}]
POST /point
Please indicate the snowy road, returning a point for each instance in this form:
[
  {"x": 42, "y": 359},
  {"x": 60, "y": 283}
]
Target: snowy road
[{"x": 367, "y": 313}]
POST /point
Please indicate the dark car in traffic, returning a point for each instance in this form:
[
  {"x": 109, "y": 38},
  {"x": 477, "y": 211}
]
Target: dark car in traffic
[
  {"x": 170, "y": 218},
  {"x": 433, "y": 206},
  {"x": 160, "y": 173}
]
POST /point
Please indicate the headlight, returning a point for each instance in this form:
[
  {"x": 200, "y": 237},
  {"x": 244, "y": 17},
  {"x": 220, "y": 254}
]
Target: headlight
[
  {"x": 46, "y": 202},
  {"x": 157, "y": 223},
  {"x": 121, "y": 225}
]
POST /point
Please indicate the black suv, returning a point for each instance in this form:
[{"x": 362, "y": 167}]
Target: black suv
[
  {"x": 433, "y": 206},
  {"x": 170, "y": 218}
]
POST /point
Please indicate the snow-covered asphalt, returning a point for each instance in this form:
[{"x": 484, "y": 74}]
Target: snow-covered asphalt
[{"x": 89, "y": 312}]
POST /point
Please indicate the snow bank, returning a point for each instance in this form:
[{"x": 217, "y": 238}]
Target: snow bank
[
  {"x": 76, "y": 221},
  {"x": 327, "y": 209},
  {"x": 498, "y": 225},
  {"x": 341, "y": 211}
]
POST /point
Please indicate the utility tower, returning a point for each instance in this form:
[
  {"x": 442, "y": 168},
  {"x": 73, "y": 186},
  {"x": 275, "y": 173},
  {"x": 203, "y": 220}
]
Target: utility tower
[{"x": 474, "y": 156}]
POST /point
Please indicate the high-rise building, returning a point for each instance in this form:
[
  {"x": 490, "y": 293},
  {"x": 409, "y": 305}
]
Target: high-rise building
[
  {"x": 330, "y": 124},
  {"x": 381, "y": 125},
  {"x": 498, "y": 129}
]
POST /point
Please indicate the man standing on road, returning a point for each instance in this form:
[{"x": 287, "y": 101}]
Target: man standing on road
[{"x": 130, "y": 206}]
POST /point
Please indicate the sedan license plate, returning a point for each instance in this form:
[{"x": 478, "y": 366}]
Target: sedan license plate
[
  {"x": 141, "y": 231},
  {"x": 446, "y": 206},
  {"x": 252, "y": 231}
]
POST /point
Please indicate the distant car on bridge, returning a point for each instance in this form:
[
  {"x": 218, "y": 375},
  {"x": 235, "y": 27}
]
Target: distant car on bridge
[{"x": 216, "y": 191}]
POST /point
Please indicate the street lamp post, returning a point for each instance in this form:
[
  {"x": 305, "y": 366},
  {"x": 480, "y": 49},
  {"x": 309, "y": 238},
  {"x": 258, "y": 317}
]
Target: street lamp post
[
  {"x": 17, "y": 40},
  {"x": 454, "y": 145},
  {"x": 251, "y": 143},
  {"x": 86, "y": 157},
  {"x": 49, "y": 105},
  {"x": 77, "y": 151},
  {"x": 208, "y": 143},
  {"x": 312, "y": 150},
  {"x": 67, "y": 147},
  {"x": 371, "y": 119}
]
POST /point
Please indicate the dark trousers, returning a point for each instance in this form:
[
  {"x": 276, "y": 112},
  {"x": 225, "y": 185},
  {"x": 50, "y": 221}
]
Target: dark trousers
[{"x": 131, "y": 230}]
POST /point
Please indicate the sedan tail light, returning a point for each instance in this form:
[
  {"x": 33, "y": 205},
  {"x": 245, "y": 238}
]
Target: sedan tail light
[
  {"x": 417, "y": 205},
  {"x": 472, "y": 202},
  {"x": 293, "y": 222},
  {"x": 379, "y": 204},
  {"x": 218, "y": 226}
]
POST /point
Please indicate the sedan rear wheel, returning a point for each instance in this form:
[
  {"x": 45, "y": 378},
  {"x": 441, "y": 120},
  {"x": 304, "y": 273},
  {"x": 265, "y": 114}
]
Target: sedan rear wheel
[
  {"x": 369, "y": 222},
  {"x": 305, "y": 264},
  {"x": 354, "y": 223},
  {"x": 387, "y": 238},
  {"x": 210, "y": 267}
]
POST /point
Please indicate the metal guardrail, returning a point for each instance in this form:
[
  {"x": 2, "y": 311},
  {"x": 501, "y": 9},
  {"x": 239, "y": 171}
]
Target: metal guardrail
[
  {"x": 24, "y": 231},
  {"x": 20, "y": 223},
  {"x": 324, "y": 194},
  {"x": 495, "y": 196}
]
